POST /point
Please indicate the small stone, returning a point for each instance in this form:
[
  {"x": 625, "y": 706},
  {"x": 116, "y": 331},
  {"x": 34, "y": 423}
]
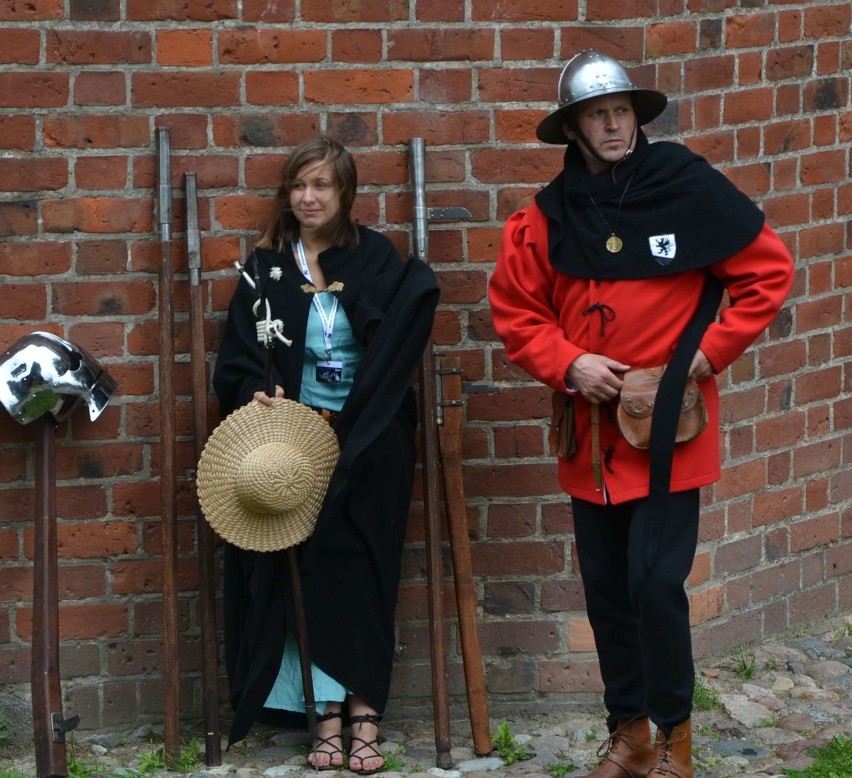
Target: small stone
[
  {"x": 782, "y": 684},
  {"x": 487, "y": 764},
  {"x": 742, "y": 749},
  {"x": 439, "y": 773},
  {"x": 827, "y": 670},
  {"x": 710, "y": 672},
  {"x": 749, "y": 714},
  {"x": 797, "y": 722},
  {"x": 282, "y": 771},
  {"x": 813, "y": 694}
]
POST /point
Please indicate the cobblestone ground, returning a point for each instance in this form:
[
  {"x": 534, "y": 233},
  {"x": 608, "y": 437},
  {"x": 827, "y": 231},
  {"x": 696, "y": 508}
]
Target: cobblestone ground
[{"x": 763, "y": 708}]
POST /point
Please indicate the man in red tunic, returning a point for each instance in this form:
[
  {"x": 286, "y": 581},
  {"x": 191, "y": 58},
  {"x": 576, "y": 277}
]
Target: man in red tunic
[{"x": 620, "y": 264}]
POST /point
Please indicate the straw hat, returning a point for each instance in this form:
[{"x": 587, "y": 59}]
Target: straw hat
[{"x": 264, "y": 472}]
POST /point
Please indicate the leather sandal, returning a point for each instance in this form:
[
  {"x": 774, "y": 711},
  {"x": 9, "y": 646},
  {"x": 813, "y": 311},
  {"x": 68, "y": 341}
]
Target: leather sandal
[
  {"x": 330, "y": 748},
  {"x": 371, "y": 746}
]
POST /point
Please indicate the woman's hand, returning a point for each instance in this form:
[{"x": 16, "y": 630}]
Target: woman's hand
[{"x": 264, "y": 399}]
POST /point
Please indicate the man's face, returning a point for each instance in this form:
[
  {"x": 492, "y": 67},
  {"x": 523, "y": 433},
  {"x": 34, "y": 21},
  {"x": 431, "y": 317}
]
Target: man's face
[{"x": 608, "y": 125}]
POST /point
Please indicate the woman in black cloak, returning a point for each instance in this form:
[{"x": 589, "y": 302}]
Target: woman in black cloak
[{"x": 359, "y": 318}]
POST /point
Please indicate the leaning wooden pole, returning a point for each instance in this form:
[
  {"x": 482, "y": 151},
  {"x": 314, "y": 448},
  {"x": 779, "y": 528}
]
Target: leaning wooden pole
[
  {"x": 203, "y": 533},
  {"x": 168, "y": 511},
  {"x": 429, "y": 456},
  {"x": 450, "y": 440},
  {"x": 49, "y": 727}
]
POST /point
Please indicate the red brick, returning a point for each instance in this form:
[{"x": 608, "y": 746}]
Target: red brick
[
  {"x": 572, "y": 675},
  {"x": 19, "y": 47},
  {"x": 518, "y": 480},
  {"x": 502, "y": 85},
  {"x": 750, "y": 31},
  {"x": 37, "y": 10},
  {"x": 101, "y": 47},
  {"x": 708, "y": 73},
  {"x": 361, "y": 11},
  {"x": 748, "y": 105},
  {"x": 359, "y": 86},
  {"x": 34, "y": 258},
  {"x": 450, "y": 85},
  {"x": 168, "y": 89},
  {"x": 511, "y": 521},
  {"x": 269, "y": 13},
  {"x": 81, "y": 622},
  {"x": 185, "y": 48},
  {"x": 101, "y": 172},
  {"x": 715, "y": 147},
  {"x": 815, "y": 532},
  {"x": 99, "y": 88},
  {"x": 753, "y": 180},
  {"x": 819, "y": 241},
  {"x": 270, "y": 46},
  {"x": 271, "y": 88},
  {"x": 517, "y": 43},
  {"x": 101, "y": 214},
  {"x": 816, "y": 458},
  {"x": 23, "y": 302},
  {"x": 604, "y": 11},
  {"x": 625, "y": 42},
  {"x": 242, "y": 212},
  {"x": 828, "y": 21},
  {"x": 439, "y": 10},
  {"x": 794, "y": 62},
  {"x": 706, "y": 604},
  {"x": 437, "y": 128},
  {"x": 441, "y": 45},
  {"x": 33, "y": 175},
  {"x": 98, "y": 132},
  {"x": 187, "y": 10},
  {"x": 36, "y": 89},
  {"x": 361, "y": 46},
  {"x": 670, "y": 39}
]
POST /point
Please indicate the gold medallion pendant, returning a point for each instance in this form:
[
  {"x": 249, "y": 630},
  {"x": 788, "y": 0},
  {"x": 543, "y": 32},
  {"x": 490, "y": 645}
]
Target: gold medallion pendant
[{"x": 614, "y": 244}]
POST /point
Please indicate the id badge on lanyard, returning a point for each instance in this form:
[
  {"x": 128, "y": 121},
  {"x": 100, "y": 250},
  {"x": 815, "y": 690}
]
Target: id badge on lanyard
[{"x": 328, "y": 371}]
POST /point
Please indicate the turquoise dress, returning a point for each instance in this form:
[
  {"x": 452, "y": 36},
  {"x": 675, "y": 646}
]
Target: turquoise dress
[{"x": 288, "y": 692}]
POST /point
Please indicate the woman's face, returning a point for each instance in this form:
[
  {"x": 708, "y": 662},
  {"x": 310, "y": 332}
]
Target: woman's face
[{"x": 314, "y": 196}]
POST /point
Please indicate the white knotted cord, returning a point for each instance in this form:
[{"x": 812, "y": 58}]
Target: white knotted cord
[
  {"x": 241, "y": 269},
  {"x": 269, "y": 328}
]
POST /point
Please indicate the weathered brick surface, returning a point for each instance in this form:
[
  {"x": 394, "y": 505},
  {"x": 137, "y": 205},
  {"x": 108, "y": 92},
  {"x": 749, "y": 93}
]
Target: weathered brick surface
[{"x": 761, "y": 89}]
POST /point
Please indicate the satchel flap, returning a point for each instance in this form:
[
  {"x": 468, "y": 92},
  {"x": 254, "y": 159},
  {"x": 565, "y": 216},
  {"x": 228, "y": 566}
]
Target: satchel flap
[{"x": 638, "y": 401}]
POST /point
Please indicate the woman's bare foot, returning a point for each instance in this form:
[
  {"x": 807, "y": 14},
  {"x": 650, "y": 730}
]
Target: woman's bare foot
[
  {"x": 365, "y": 758},
  {"x": 327, "y": 752}
]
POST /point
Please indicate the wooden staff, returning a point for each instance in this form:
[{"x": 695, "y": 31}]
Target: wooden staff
[
  {"x": 48, "y": 723},
  {"x": 449, "y": 436},
  {"x": 429, "y": 454},
  {"x": 203, "y": 532},
  {"x": 168, "y": 508}
]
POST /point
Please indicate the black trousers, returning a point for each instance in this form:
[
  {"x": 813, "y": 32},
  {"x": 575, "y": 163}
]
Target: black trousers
[{"x": 640, "y": 614}]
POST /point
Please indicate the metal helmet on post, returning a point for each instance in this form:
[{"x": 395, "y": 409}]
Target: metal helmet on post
[
  {"x": 592, "y": 74},
  {"x": 41, "y": 373}
]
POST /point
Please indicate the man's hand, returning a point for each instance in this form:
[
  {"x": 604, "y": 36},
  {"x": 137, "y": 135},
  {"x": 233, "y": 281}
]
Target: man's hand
[
  {"x": 596, "y": 377},
  {"x": 264, "y": 399},
  {"x": 700, "y": 367}
]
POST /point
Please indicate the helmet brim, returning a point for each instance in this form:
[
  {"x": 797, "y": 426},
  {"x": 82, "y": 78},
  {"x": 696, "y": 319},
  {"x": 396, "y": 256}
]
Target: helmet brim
[{"x": 647, "y": 103}]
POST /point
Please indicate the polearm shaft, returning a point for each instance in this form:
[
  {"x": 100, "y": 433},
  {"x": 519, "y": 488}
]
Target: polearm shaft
[
  {"x": 429, "y": 451},
  {"x": 168, "y": 511},
  {"x": 203, "y": 532},
  {"x": 44, "y": 670}
]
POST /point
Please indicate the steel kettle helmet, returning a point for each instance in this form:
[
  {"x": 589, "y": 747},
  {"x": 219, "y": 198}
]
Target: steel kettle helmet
[
  {"x": 41, "y": 373},
  {"x": 592, "y": 74}
]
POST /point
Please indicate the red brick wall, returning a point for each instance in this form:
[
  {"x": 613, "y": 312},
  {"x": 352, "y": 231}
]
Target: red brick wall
[{"x": 761, "y": 88}]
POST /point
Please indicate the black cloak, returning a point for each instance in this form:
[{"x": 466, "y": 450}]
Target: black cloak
[{"x": 351, "y": 564}]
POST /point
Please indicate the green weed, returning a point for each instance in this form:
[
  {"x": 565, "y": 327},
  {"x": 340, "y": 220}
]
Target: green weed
[
  {"x": 746, "y": 663},
  {"x": 704, "y": 698},
  {"x": 507, "y": 746},
  {"x": 561, "y": 769},
  {"x": 834, "y": 760}
]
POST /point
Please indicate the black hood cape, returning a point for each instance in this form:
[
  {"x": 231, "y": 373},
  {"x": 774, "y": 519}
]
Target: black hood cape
[
  {"x": 677, "y": 213},
  {"x": 350, "y": 566}
]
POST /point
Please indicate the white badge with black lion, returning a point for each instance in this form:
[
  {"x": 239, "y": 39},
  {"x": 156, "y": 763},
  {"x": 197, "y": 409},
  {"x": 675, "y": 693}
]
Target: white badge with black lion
[{"x": 663, "y": 248}]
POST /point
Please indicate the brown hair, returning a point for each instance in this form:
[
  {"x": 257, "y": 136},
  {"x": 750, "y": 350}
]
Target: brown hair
[{"x": 283, "y": 227}]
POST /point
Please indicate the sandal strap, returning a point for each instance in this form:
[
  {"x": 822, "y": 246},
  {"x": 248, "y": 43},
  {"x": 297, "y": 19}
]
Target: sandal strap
[
  {"x": 329, "y": 717},
  {"x": 367, "y": 718}
]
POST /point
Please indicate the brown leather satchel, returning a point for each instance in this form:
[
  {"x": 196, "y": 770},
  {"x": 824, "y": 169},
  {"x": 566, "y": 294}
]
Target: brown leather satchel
[{"x": 636, "y": 406}]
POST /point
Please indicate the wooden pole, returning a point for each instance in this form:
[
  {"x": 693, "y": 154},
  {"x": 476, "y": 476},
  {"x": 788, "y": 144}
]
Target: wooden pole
[
  {"x": 429, "y": 454},
  {"x": 168, "y": 508},
  {"x": 449, "y": 437},
  {"x": 204, "y": 534},
  {"x": 49, "y": 726}
]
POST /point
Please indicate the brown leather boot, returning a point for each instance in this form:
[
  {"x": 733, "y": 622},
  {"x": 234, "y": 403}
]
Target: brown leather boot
[
  {"x": 628, "y": 752},
  {"x": 674, "y": 753}
]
